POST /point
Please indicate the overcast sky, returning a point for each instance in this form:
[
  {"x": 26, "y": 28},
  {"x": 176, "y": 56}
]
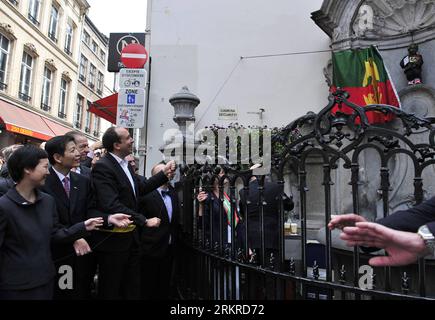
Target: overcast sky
[{"x": 118, "y": 16}]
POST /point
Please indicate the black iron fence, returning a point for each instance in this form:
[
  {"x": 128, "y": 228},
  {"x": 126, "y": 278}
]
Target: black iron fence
[{"x": 302, "y": 266}]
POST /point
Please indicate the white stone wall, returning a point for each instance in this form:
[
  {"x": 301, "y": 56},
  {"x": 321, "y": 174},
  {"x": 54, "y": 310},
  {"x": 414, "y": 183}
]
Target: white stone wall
[{"x": 199, "y": 44}]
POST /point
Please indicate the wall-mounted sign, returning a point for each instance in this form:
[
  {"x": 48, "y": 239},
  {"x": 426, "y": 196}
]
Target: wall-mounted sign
[{"x": 227, "y": 113}]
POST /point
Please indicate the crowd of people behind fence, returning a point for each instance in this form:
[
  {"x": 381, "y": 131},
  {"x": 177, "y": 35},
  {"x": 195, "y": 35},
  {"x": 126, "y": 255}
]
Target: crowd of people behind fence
[{"x": 77, "y": 221}]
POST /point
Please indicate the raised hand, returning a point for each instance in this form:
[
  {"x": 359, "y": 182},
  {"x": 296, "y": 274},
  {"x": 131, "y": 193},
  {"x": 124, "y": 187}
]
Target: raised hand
[
  {"x": 120, "y": 220},
  {"x": 93, "y": 223},
  {"x": 153, "y": 222},
  {"x": 344, "y": 220},
  {"x": 202, "y": 196},
  {"x": 169, "y": 169},
  {"x": 402, "y": 247},
  {"x": 81, "y": 247}
]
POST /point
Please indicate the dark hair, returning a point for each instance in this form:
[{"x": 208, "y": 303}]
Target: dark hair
[
  {"x": 74, "y": 134},
  {"x": 7, "y": 151},
  {"x": 57, "y": 145},
  {"x": 26, "y": 157},
  {"x": 109, "y": 138}
]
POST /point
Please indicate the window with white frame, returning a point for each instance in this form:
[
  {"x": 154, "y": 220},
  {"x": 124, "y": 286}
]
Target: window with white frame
[
  {"x": 100, "y": 82},
  {"x": 4, "y": 55},
  {"x": 86, "y": 38},
  {"x": 78, "y": 112},
  {"x": 54, "y": 20},
  {"x": 63, "y": 98},
  {"x": 102, "y": 55},
  {"x": 88, "y": 121},
  {"x": 96, "y": 126},
  {"x": 34, "y": 8},
  {"x": 69, "y": 35},
  {"x": 46, "y": 89},
  {"x": 94, "y": 47},
  {"x": 92, "y": 74},
  {"x": 83, "y": 68},
  {"x": 26, "y": 77}
]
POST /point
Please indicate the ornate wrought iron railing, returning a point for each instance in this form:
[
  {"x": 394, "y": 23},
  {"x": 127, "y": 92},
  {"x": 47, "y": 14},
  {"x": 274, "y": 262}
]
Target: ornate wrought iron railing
[{"x": 301, "y": 268}]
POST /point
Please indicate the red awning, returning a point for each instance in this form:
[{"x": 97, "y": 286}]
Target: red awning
[
  {"x": 58, "y": 129},
  {"x": 106, "y": 108},
  {"x": 24, "y": 122},
  {"x": 30, "y": 124}
]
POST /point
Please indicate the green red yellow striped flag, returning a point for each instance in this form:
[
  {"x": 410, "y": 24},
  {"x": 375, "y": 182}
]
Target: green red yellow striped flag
[
  {"x": 227, "y": 208},
  {"x": 362, "y": 73}
]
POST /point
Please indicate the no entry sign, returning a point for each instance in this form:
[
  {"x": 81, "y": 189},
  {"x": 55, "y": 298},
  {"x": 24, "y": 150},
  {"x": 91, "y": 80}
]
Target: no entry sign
[{"x": 134, "y": 56}]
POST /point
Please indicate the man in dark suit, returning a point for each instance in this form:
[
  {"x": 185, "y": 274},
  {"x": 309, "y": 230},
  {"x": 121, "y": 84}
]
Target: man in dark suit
[
  {"x": 117, "y": 190},
  {"x": 157, "y": 244},
  {"x": 83, "y": 147},
  {"x": 271, "y": 218},
  {"x": 73, "y": 196}
]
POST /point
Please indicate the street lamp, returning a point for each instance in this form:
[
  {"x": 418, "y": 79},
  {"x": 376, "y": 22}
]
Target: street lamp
[{"x": 184, "y": 103}]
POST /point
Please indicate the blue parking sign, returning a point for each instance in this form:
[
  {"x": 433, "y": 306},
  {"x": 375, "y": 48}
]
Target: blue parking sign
[{"x": 131, "y": 99}]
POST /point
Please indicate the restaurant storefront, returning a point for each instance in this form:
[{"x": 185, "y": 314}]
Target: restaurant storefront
[{"x": 21, "y": 126}]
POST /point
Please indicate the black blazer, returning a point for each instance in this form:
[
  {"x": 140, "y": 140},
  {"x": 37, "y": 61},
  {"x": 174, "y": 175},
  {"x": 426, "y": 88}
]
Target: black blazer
[
  {"x": 114, "y": 194},
  {"x": 85, "y": 171},
  {"x": 26, "y": 232},
  {"x": 412, "y": 219},
  {"x": 70, "y": 210},
  {"x": 270, "y": 209},
  {"x": 155, "y": 241}
]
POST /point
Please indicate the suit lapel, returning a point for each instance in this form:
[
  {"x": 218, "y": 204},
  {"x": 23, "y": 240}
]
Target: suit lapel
[
  {"x": 161, "y": 204},
  {"x": 174, "y": 205},
  {"x": 73, "y": 194},
  {"x": 57, "y": 187},
  {"x": 120, "y": 172},
  {"x": 135, "y": 180}
]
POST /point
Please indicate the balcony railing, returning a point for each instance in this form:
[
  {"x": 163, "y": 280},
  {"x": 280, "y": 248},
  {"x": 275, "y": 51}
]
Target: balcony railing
[
  {"x": 91, "y": 85},
  {"x": 45, "y": 107},
  {"x": 99, "y": 91},
  {"x": 24, "y": 97},
  {"x": 3, "y": 86},
  {"x": 34, "y": 20},
  {"x": 82, "y": 77},
  {"x": 96, "y": 133},
  {"x": 61, "y": 115},
  {"x": 52, "y": 36},
  {"x": 14, "y": 2},
  {"x": 77, "y": 124}
]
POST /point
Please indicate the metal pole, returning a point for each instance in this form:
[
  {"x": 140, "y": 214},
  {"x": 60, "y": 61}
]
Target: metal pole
[{"x": 146, "y": 118}]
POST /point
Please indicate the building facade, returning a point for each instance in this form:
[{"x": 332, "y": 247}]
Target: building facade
[
  {"x": 40, "y": 45},
  {"x": 91, "y": 79}
]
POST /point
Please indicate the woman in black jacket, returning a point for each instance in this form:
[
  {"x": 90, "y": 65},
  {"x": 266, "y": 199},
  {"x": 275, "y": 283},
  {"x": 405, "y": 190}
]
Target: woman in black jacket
[
  {"x": 28, "y": 224},
  {"x": 209, "y": 205}
]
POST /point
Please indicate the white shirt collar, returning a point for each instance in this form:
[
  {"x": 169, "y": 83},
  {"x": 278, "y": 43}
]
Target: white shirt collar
[
  {"x": 117, "y": 158},
  {"x": 61, "y": 176}
]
